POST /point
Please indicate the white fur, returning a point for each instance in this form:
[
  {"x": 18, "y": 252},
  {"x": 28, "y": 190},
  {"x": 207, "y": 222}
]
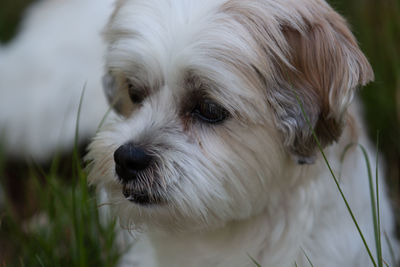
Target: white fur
[{"x": 232, "y": 191}]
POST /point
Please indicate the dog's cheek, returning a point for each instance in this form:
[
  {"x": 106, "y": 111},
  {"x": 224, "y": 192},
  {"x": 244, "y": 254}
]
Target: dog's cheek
[{"x": 237, "y": 167}]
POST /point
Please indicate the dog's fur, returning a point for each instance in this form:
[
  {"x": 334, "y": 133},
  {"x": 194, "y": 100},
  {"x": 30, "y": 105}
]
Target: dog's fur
[{"x": 254, "y": 185}]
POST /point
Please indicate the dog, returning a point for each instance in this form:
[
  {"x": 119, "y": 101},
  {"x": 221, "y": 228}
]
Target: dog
[
  {"x": 213, "y": 156},
  {"x": 221, "y": 110}
]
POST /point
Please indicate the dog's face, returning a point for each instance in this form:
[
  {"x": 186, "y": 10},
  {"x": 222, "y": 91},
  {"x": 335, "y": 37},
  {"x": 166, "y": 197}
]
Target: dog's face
[{"x": 211, "y": 97}]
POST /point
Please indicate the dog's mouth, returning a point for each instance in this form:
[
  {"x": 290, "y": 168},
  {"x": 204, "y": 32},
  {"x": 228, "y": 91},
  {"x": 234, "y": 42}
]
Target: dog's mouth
[{"x": 142, "y": 197}]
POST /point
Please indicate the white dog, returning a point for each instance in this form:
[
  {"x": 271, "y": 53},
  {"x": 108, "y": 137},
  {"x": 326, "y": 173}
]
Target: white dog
[{"x": 212, "y": 158}]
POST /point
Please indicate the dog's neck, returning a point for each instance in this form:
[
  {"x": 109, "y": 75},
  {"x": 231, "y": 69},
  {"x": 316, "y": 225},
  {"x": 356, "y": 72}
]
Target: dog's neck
[{"x": 239, "y": 241}]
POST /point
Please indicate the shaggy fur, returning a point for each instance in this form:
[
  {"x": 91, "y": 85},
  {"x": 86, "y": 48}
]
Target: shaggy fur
[{"x": 254, "y": 185}]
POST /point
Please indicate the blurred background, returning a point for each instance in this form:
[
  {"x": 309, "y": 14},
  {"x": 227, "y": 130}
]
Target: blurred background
[{"x": 53, "y": 198}]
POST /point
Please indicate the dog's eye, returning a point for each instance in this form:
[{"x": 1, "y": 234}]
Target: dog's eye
[
  {"x": 210, "y": 112},
  {"x": 136, "y": 96}
]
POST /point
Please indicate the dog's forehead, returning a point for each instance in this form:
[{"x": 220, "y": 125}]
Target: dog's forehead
[
  {"x": 159, "y": 30},
  {"x": 167, "y": 39}
]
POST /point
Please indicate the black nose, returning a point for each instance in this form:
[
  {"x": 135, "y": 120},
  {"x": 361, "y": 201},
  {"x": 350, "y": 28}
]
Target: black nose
[{"x": 130, "y": 160}]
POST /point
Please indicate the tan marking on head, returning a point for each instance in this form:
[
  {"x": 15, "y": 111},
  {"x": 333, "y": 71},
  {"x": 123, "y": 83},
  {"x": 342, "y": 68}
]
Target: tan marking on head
[{"x": 316, "y": 61}]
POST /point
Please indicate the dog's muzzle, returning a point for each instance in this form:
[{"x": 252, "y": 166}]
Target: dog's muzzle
[{"x": 132, "y": 162}]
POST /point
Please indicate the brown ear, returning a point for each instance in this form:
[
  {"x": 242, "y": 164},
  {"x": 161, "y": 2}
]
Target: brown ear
[
  {"x": 304, "y": 52},
  {"x": 326, "y": 68}
]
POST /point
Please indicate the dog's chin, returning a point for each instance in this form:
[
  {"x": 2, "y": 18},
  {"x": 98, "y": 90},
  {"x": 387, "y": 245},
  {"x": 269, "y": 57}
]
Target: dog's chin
[{"x": 142, "y": 197}]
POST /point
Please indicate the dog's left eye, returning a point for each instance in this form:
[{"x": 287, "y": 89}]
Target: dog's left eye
[
  {"x": 210, "y": 112},
  {"x": 135, "y": 95}
]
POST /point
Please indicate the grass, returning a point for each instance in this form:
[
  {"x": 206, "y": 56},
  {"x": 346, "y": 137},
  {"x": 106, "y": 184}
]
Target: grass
[{"x": 66, "y": 229}]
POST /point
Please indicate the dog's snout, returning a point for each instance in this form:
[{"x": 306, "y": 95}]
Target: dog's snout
[{"x": 129, "y": 160}]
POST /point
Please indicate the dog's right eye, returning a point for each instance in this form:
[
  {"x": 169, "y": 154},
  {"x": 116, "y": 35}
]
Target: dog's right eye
[
  {"x": 210, "y": 112},
  {"x": 136, "y": 96}
]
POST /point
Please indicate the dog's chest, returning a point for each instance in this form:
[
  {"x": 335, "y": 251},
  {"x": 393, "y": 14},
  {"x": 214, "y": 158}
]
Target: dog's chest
[{"x": 173, "y": 251}]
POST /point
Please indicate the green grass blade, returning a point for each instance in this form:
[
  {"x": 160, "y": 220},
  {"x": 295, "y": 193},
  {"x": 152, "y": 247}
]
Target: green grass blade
[
  {"x": 103, "y": 120},
  {"x": 39, "y": 261},
  {"x": 253, "y": 260},
  {"x": 337, "y": 183},
  {"x": 373, "y": 206},
  {"x": 379, "y": 241},
  {"x": 76, "y": 165},
  {"x": 77, "y": 213},
  {"x": 391, "y": 251},
  {"x": 111, "y": 107},
  {"x": 374, "y": 201},
  {"x": 308, "y": 259},
  {"x": 78, "y": 117}
]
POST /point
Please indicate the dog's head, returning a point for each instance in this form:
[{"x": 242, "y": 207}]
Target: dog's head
[{"x": 211, "y": 96}]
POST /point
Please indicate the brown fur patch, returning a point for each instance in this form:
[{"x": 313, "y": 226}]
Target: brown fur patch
[{"x": 317, "y": 64}]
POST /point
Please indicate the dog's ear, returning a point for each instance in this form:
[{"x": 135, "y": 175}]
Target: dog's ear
[
  {"x": 325, "y": 67},
  {"x": 305, "y": 58}
]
